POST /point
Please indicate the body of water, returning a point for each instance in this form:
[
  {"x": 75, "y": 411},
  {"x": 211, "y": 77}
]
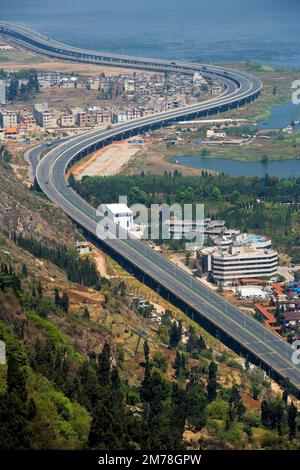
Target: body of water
[
  {"x": 219, "y": 31},
  {"x": 281, "y": 169},
  {"x": 281, "y": 116}
]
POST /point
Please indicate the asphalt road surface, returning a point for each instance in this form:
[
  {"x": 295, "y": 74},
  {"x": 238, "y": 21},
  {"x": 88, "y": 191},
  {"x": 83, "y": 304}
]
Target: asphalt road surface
[{"x": 240, "y": 89}]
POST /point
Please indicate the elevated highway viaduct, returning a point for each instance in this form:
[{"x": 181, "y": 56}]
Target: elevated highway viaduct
[{"x": 243, "y": 333}]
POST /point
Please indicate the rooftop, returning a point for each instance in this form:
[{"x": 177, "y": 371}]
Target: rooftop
[
  {"x": 245, "y": 252},
  {"x": 118, "y": 209}
]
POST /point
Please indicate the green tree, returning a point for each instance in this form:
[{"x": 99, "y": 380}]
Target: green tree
[
  {"x": 292, "y": 420},
  {"x": 146, "y": 350},
  {"x": 57, "y": 300},
  {"x": 212, "y": 381},
  {"x": 104, "y": 365},
  {"x": 65, "y": 302},
  {"x": 175, "y": 334},
  {"x": 86, "y": 314},
  {"x": 24, "y": 270},
  {"x": 236, "y": 406}
]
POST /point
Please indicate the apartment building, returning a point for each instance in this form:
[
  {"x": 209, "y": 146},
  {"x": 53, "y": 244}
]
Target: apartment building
[
  {"x": 27, "y": 123},
  {"x": 66, "y": 120},
  {"x": 216, "y": 89},
  {"x": 103, "y": 117},
  {"x": 119, "y": 117},
  {"x": 129, "y": 86},
  {"x": 84, "y": 119},
  {"x": 44, "y": 117},
  {"x": 93, "y": 83},
  {"x": 133, "y": 113},
  {"x": 174, "y": 102},
  {"x": 9, "y": 119},
  {"x": 49, "y": 79}
]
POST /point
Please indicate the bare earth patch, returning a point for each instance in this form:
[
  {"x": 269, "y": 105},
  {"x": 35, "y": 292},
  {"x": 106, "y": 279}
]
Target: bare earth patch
[
  {"x": 21, "y": 59},
  {"x": 107, "y": 161}
]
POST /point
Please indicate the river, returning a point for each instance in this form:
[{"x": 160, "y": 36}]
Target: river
[{"x": 279, "y": 168}]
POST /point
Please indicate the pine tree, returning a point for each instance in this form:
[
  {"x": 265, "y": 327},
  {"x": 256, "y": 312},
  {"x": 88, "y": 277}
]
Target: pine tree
[
  {"x": 146, "y": 351},
  {"x": 292, "y": 420},
  {"x": 212, "y": 382},
  {"x": 175, "y": 334},
  {"x": 40, "y": 290},
  {"x": 104, "y": 365},
  {"x": 145, "y": 391},
  {"x": 86, "y": 313},
  {"x": 177, "y": 364},
  {"x": 115, "y": 379},
  {"x": 65, "y": 302},
  {"x": 177, "y": 418},
  {"x": 235, "y": 403},
  {"x": 24, "y": 270},
  {"x": 57, "y": 300}
]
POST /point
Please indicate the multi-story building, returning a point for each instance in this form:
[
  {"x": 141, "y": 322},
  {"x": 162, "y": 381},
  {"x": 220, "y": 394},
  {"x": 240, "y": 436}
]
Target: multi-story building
[
  {"x": 129, "y": 86},
  {"x": 179, "y": 228},
  {"x": 44, "y": 117},
  {"x": 231, "y": 237},
  {"x": 103, "y": 117},
  {"x": 2, "y": 92},
  {"x": 49, "y": 79},
  {"x": 84, "y": 119},
  {"x": 66, "y": 120},
  {"x": 214, "y": 227},
  {"x": 94, "y": 83},
  {"x": 238, "y": 262},
  {"x": 216, "y": 89},
  {"x": 174, "y": 102},
  {"x": 119, "y": 117},
  {"x": 27, "y": 123},
  {"x": 8, "y": 119},
  {"x": 198, "y": 79},
  {"x": 67, "y": 83}
]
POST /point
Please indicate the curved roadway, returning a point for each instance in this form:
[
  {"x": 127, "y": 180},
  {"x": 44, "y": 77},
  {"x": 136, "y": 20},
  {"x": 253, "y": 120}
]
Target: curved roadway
[
  {"x": 267, "y": 346},
  {"x": 240, "y": 89}
]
